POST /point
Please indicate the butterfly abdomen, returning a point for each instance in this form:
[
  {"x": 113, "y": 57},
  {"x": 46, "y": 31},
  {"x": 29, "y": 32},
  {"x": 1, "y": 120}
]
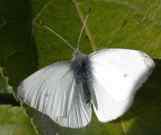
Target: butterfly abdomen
[{"x": 81, "y": 67}]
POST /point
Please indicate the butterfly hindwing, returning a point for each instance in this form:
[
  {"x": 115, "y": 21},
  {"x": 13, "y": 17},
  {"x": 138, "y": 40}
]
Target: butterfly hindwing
[
  {"x": 117, "y": 74},
  {"x": 80, "y": 113}
]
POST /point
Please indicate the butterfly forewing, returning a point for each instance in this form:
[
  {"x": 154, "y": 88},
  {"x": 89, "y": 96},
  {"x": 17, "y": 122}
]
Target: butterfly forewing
[
  {"x": 117, "y": 74},
  {"x": 52, "y": 90}
]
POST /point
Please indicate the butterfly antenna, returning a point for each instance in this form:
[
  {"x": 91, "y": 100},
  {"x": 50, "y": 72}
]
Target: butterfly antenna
[
  {"x": 59, "y": 36},
  {"x": 81, "y": 32}
]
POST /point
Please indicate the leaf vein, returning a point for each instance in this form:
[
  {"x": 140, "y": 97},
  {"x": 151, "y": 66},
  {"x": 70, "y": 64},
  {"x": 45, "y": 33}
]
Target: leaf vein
[{"x": 41, "y": 10}]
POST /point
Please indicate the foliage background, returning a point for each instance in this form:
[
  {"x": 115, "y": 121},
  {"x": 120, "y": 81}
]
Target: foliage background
[{"x": 26, "y": 45}]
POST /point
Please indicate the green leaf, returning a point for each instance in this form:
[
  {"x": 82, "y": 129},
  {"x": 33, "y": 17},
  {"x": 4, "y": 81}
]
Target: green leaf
[
  {"x": 4, "y": 86},
  {"x": 17, "y": 50},
  {"x": 14, "y": 121},
  {"x": 111, "y": 24},
  {"x": 18, "y": 59}
]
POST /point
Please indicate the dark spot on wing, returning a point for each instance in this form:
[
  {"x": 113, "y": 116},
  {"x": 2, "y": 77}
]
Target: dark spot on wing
[{"x": 125, "y": 75}]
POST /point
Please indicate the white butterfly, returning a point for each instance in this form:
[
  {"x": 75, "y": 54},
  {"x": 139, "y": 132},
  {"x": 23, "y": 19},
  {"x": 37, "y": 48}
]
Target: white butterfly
[{"x": 105, "y": 80}]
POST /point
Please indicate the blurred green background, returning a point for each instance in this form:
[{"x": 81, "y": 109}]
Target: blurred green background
[{"x": 26, "y": 45}]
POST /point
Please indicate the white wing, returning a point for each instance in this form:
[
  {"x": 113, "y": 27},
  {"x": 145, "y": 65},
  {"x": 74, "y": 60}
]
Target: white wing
[
  {"x": 52, "y": 91},
  {"x": 80, "y": 113},
  {"x": 117, "y": 74}
]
